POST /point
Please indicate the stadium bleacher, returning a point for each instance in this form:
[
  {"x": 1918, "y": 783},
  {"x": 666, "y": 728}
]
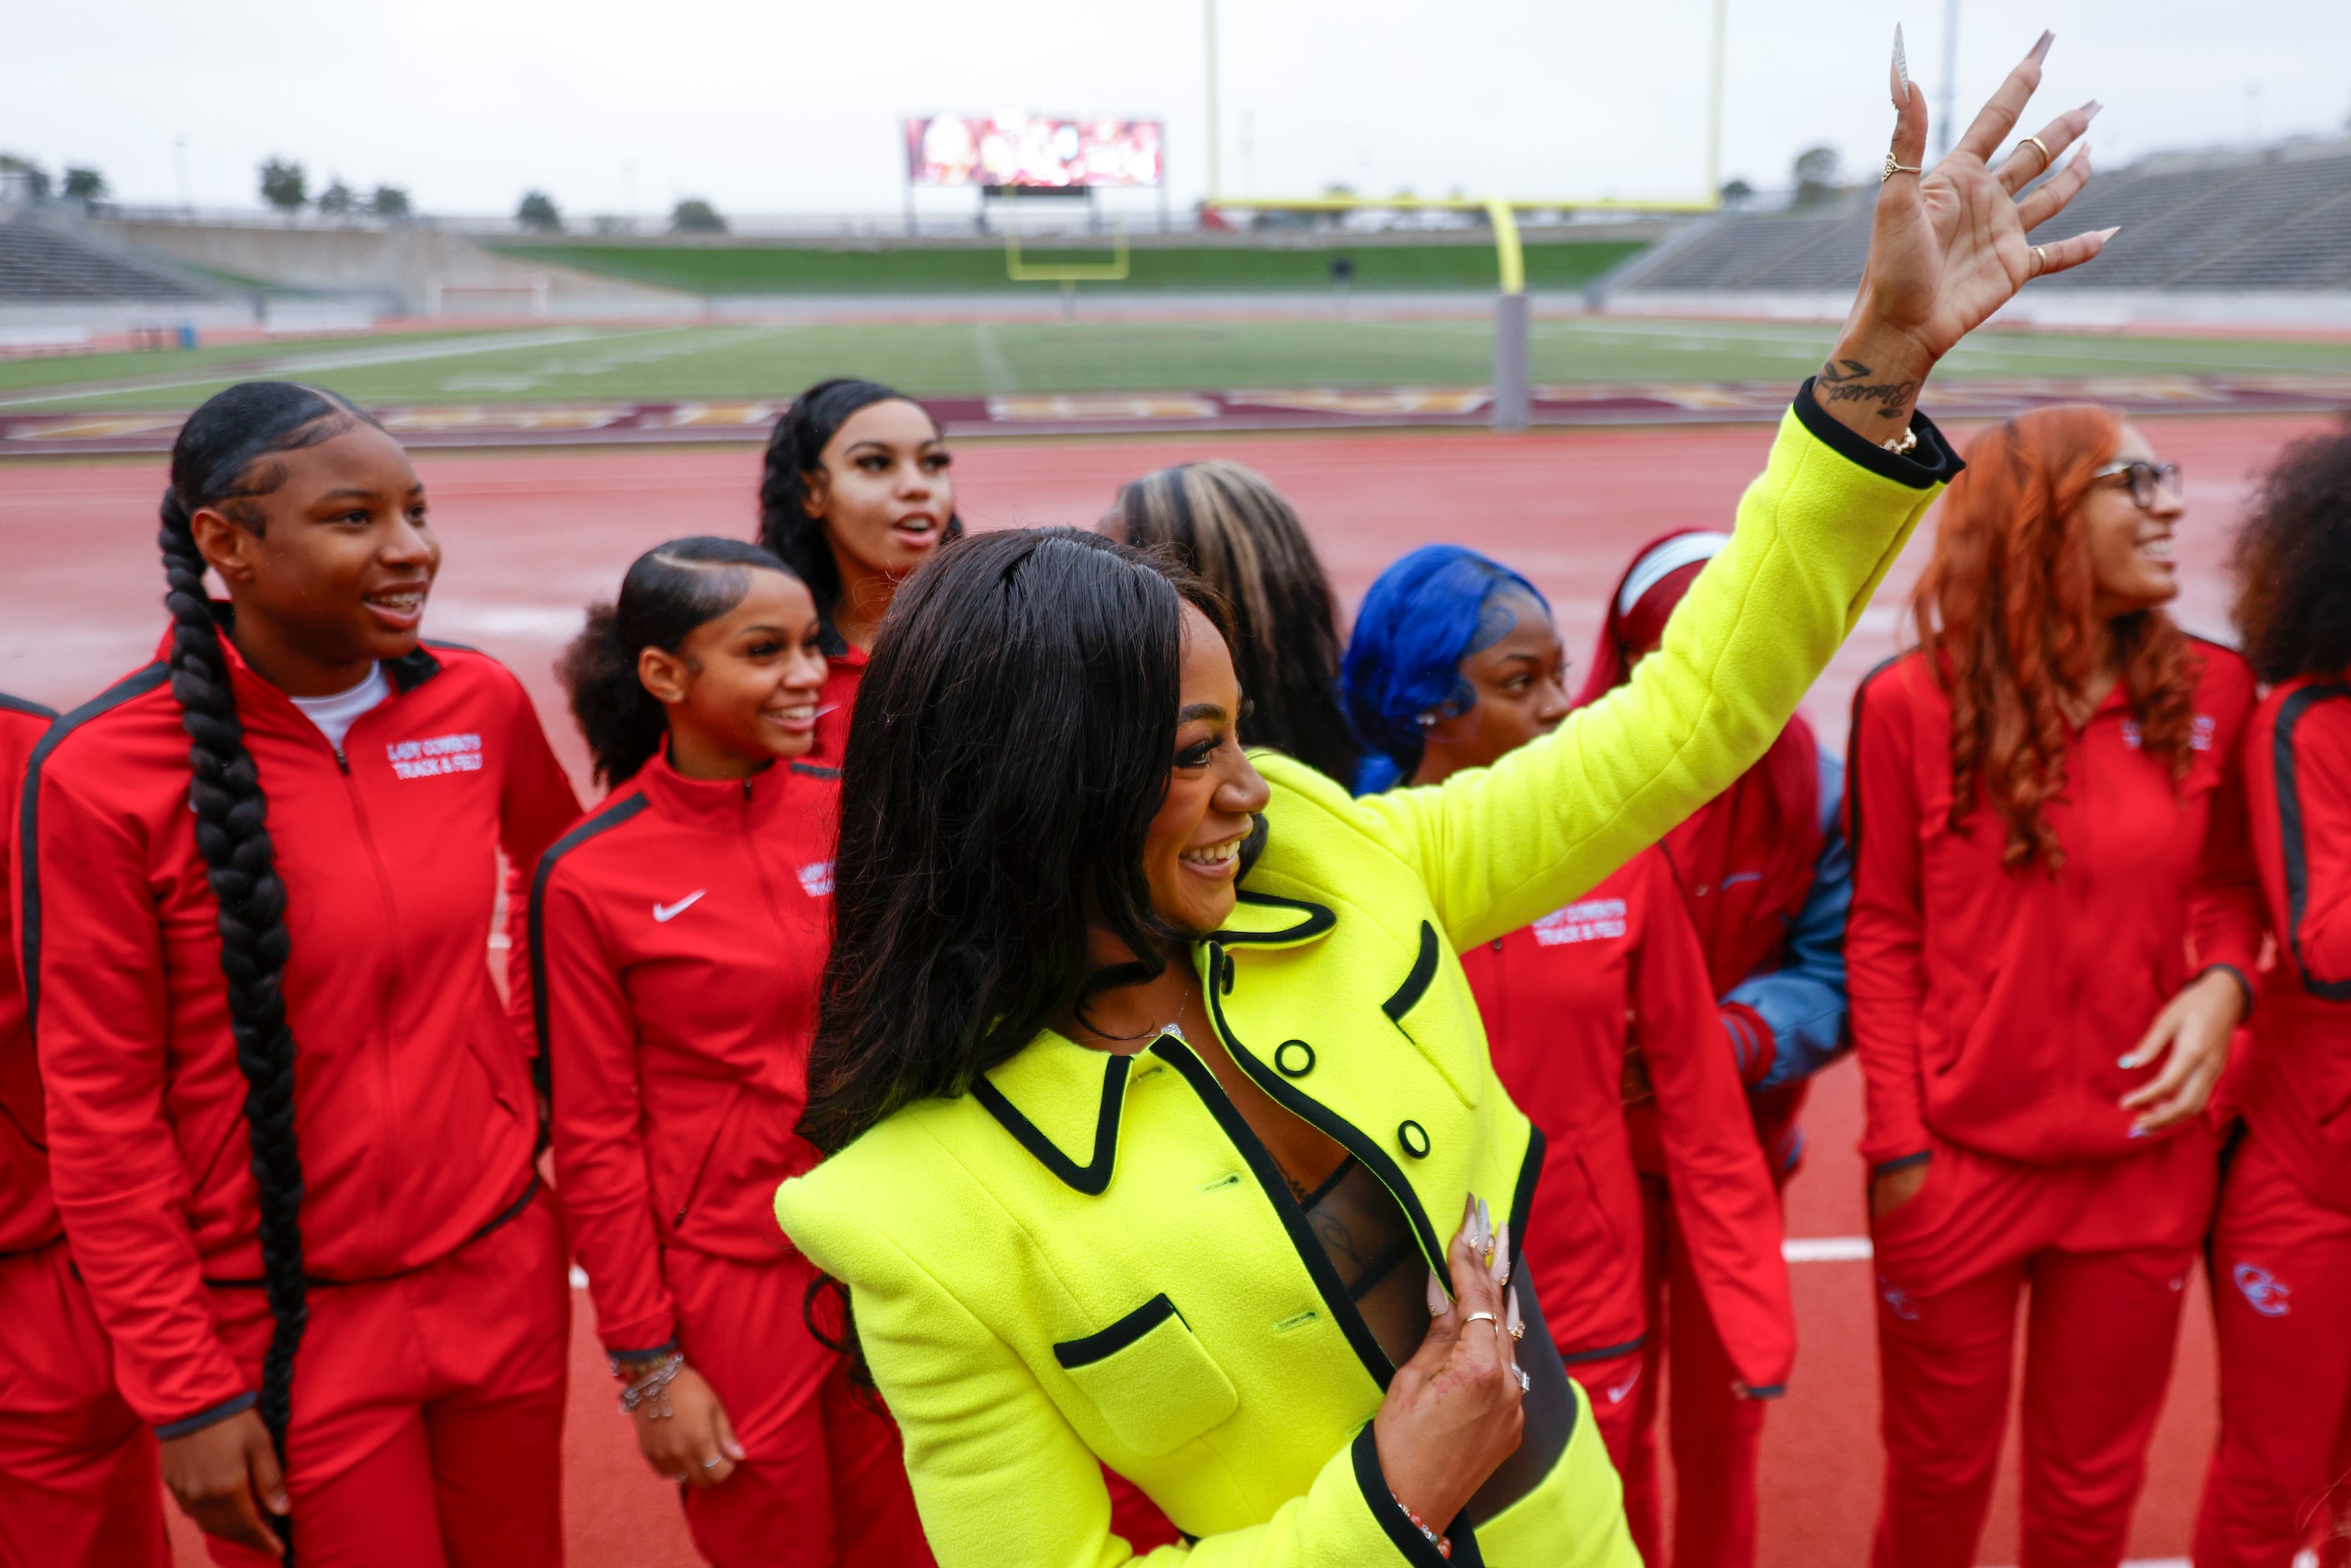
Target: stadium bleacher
[
  {"x": 2275, "y": 219},
  {"x": 41, "y": 266}
]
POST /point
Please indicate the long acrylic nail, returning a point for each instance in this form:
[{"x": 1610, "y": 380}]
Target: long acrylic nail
[
  {"x": 2105, "y": 235},
  {"x": 2090, "y": 109},
  {"x": 1437, "y": 1296},
  {"x": 1901, "y": 71},
  {"x": 1500, "y": 1267},
  {"x": 2041, "y": 50},
  {"x": 1511, "y": 1320}
]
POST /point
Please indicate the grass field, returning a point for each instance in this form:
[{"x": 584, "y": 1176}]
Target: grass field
[
  {"x": 782, "y": 270},
  {"x": 968, "y": 358}
]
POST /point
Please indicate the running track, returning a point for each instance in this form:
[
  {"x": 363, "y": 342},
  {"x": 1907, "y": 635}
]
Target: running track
[{"x": 531, "y": 537}]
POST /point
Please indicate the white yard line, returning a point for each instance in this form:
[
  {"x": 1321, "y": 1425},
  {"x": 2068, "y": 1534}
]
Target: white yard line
[
  {"x": 1825, "y": 1249},
  {"x": 352, "y": 359}
]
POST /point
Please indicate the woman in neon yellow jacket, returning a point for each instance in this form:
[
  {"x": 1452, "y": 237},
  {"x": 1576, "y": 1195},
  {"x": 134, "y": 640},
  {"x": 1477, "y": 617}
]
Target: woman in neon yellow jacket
[{"x": 1164, "y": 1133}]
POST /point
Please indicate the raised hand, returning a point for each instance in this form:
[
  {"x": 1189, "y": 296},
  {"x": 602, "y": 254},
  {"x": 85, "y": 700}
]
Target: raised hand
[{"x": 1946, "y": 245}]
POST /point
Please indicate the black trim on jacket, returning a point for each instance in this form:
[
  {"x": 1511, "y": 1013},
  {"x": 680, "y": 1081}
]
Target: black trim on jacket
[
  {"x": 1931, "y": 463},
  {"x": 18, "y": 705},
  {"x": 28, "y": 841},
  {"x": 1103, "y": 1343},
  {"x": 1341, "y": 1130},
  {"x": 2292, "y": 838},
  {"x": 1276, "y": 1186},
  {"x": 1318, "y": 920},
  {"x": 1092, "y": 1178},
  {"x": 603, "y": 819},
  {"x": 1380, "y": 1497},
  {"x": 1416, "y": 985}
]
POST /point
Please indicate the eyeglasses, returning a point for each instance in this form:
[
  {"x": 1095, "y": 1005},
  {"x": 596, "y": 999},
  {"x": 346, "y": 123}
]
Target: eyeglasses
[{"x": 2149, "y": 482}]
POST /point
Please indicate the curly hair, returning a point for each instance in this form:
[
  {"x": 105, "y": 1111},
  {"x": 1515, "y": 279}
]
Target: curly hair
[
  {"x": 670, "y": 591},
  {"x": 2292, "y": 562},
  {"x": 2004, "y": 612}
]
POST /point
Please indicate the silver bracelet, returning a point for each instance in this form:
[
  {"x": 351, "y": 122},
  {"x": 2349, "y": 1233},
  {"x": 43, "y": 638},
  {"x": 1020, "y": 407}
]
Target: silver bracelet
[{"x": 653, "y": 1385}]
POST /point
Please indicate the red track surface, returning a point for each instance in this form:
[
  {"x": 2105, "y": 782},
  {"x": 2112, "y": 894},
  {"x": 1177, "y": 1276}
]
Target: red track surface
[{"x": 529, "y": 538}]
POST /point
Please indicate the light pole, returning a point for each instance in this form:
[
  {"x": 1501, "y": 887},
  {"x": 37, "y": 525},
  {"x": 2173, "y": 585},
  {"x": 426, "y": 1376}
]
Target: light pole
[
  {"x": 1951, "y": 78},
  {"x": 187, "y": 192},
  {"x": 1714, "y": 111},
  {"x": 1216, "y": 136}
]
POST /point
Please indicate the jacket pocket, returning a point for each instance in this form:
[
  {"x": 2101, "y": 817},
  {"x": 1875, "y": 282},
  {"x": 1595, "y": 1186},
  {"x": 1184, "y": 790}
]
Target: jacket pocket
[{"x": 1153, "y": 1384}]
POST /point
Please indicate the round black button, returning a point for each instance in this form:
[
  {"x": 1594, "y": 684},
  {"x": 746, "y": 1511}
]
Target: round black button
[
  {"x": 1293, "y": 1059},
  {"x": 1414, "y": 1139}
]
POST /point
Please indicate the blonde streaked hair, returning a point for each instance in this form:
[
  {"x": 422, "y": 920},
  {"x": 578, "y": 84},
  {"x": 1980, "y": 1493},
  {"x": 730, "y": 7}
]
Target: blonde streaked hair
[{"x": 1233, "y": 530}]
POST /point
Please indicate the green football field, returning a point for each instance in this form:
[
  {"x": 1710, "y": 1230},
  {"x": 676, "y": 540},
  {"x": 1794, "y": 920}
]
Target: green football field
[{"x": 656, "y": 364}]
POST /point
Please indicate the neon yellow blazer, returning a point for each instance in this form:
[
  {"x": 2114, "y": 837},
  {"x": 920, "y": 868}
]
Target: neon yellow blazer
[{"x": 1090, "y": 1258}]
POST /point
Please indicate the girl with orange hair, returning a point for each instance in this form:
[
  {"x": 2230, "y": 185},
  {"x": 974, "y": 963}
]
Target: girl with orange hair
[{"x": 2054, "y": 918}]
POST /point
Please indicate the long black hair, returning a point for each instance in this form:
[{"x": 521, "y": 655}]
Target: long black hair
[
  {"x": 795, "y": 451},
  {"x": 1011, "y": 742},
  {"x": 221, "y": 461},
  {"x": 669, "y": 590},
  {"x": 2292, "y": 562},
  {"x": 1233, "y": 530}
]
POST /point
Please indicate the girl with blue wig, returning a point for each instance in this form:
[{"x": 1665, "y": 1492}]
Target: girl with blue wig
[{"x": 1455, "y": 663}]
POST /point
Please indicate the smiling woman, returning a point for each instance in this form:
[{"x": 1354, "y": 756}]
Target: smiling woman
[
  {"x": 2055, "y": 920},
  {"x": 1133, "y": 1154},
  {"x": 676, "y": 937},
  {"x": 263, "y": 878}
]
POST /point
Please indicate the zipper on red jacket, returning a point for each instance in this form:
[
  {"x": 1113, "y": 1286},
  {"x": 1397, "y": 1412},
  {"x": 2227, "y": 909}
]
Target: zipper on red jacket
[
  {"x": 767, "y": 903},
  {"x": 388, "y": 1198}
]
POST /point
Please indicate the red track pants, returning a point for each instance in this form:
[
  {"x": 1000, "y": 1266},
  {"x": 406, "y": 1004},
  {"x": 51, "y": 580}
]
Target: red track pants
[
  {"x": 1715, "y": 1435},
  {"x": 2107, "y": 1249},
  {"x": 2281, "y": 1292},
  {"x": 78, "y": 1487},
  {"x": 824, "y": 1481},
  {"x": 428, "y": 1409}
]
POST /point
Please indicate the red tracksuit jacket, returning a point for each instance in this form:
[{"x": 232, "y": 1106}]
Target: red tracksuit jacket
[
  {"x": 1991, "y": 1007},
  {"x": 28, "y": 1216},
  {"x": 1563, "y": 1000},
  {"x": 677, "y": 938},
  {"x": 2298, "y": 785},
  {"x": 413, "y": 1101}
]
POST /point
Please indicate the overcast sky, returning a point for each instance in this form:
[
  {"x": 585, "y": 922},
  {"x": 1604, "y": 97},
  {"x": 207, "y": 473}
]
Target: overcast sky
[{"x": 783, "y": 107}]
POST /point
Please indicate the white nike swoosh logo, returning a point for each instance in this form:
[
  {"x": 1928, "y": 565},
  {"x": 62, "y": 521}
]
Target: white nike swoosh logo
[
  {"x": 666, "y": 912},
  {"x": 1616, "y": 1394}
]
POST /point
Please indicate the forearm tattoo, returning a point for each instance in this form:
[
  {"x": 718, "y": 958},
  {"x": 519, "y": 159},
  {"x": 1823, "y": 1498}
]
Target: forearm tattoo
[{"x": 1847, "y": 380}]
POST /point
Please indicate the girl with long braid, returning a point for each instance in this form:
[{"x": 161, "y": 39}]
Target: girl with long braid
[
  {"x": 291, "y": 1129},
  {"x": 855, "y": 493}
]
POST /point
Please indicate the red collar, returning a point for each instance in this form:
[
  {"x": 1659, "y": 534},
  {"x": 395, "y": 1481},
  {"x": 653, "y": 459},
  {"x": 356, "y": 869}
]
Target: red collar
[{"x": 780, "y": 786}]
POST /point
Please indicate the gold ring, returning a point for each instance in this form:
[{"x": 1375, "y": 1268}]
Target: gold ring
[
  {"x": 2040, "y": 261},
  {"x": 1477, "y": 1318},
  {"x": 1894, "y": 168},
  {"x": 2047, "y": 162}
]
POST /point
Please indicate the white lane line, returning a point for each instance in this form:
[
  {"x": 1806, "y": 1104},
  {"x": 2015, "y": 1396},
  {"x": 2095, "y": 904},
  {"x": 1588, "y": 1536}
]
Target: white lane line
[
  {"x": 1825, "y": 1249},
  {"x": 350, "y": 360}
]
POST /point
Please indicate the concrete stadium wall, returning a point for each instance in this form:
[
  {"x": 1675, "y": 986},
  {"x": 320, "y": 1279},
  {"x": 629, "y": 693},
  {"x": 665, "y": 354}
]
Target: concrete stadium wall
[{"x": 418, "y": 267}]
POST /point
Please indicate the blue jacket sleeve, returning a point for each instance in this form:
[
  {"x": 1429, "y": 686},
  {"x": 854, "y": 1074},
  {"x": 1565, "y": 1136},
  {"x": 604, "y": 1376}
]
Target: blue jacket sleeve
[{"x": 1803, "y": 1002}]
